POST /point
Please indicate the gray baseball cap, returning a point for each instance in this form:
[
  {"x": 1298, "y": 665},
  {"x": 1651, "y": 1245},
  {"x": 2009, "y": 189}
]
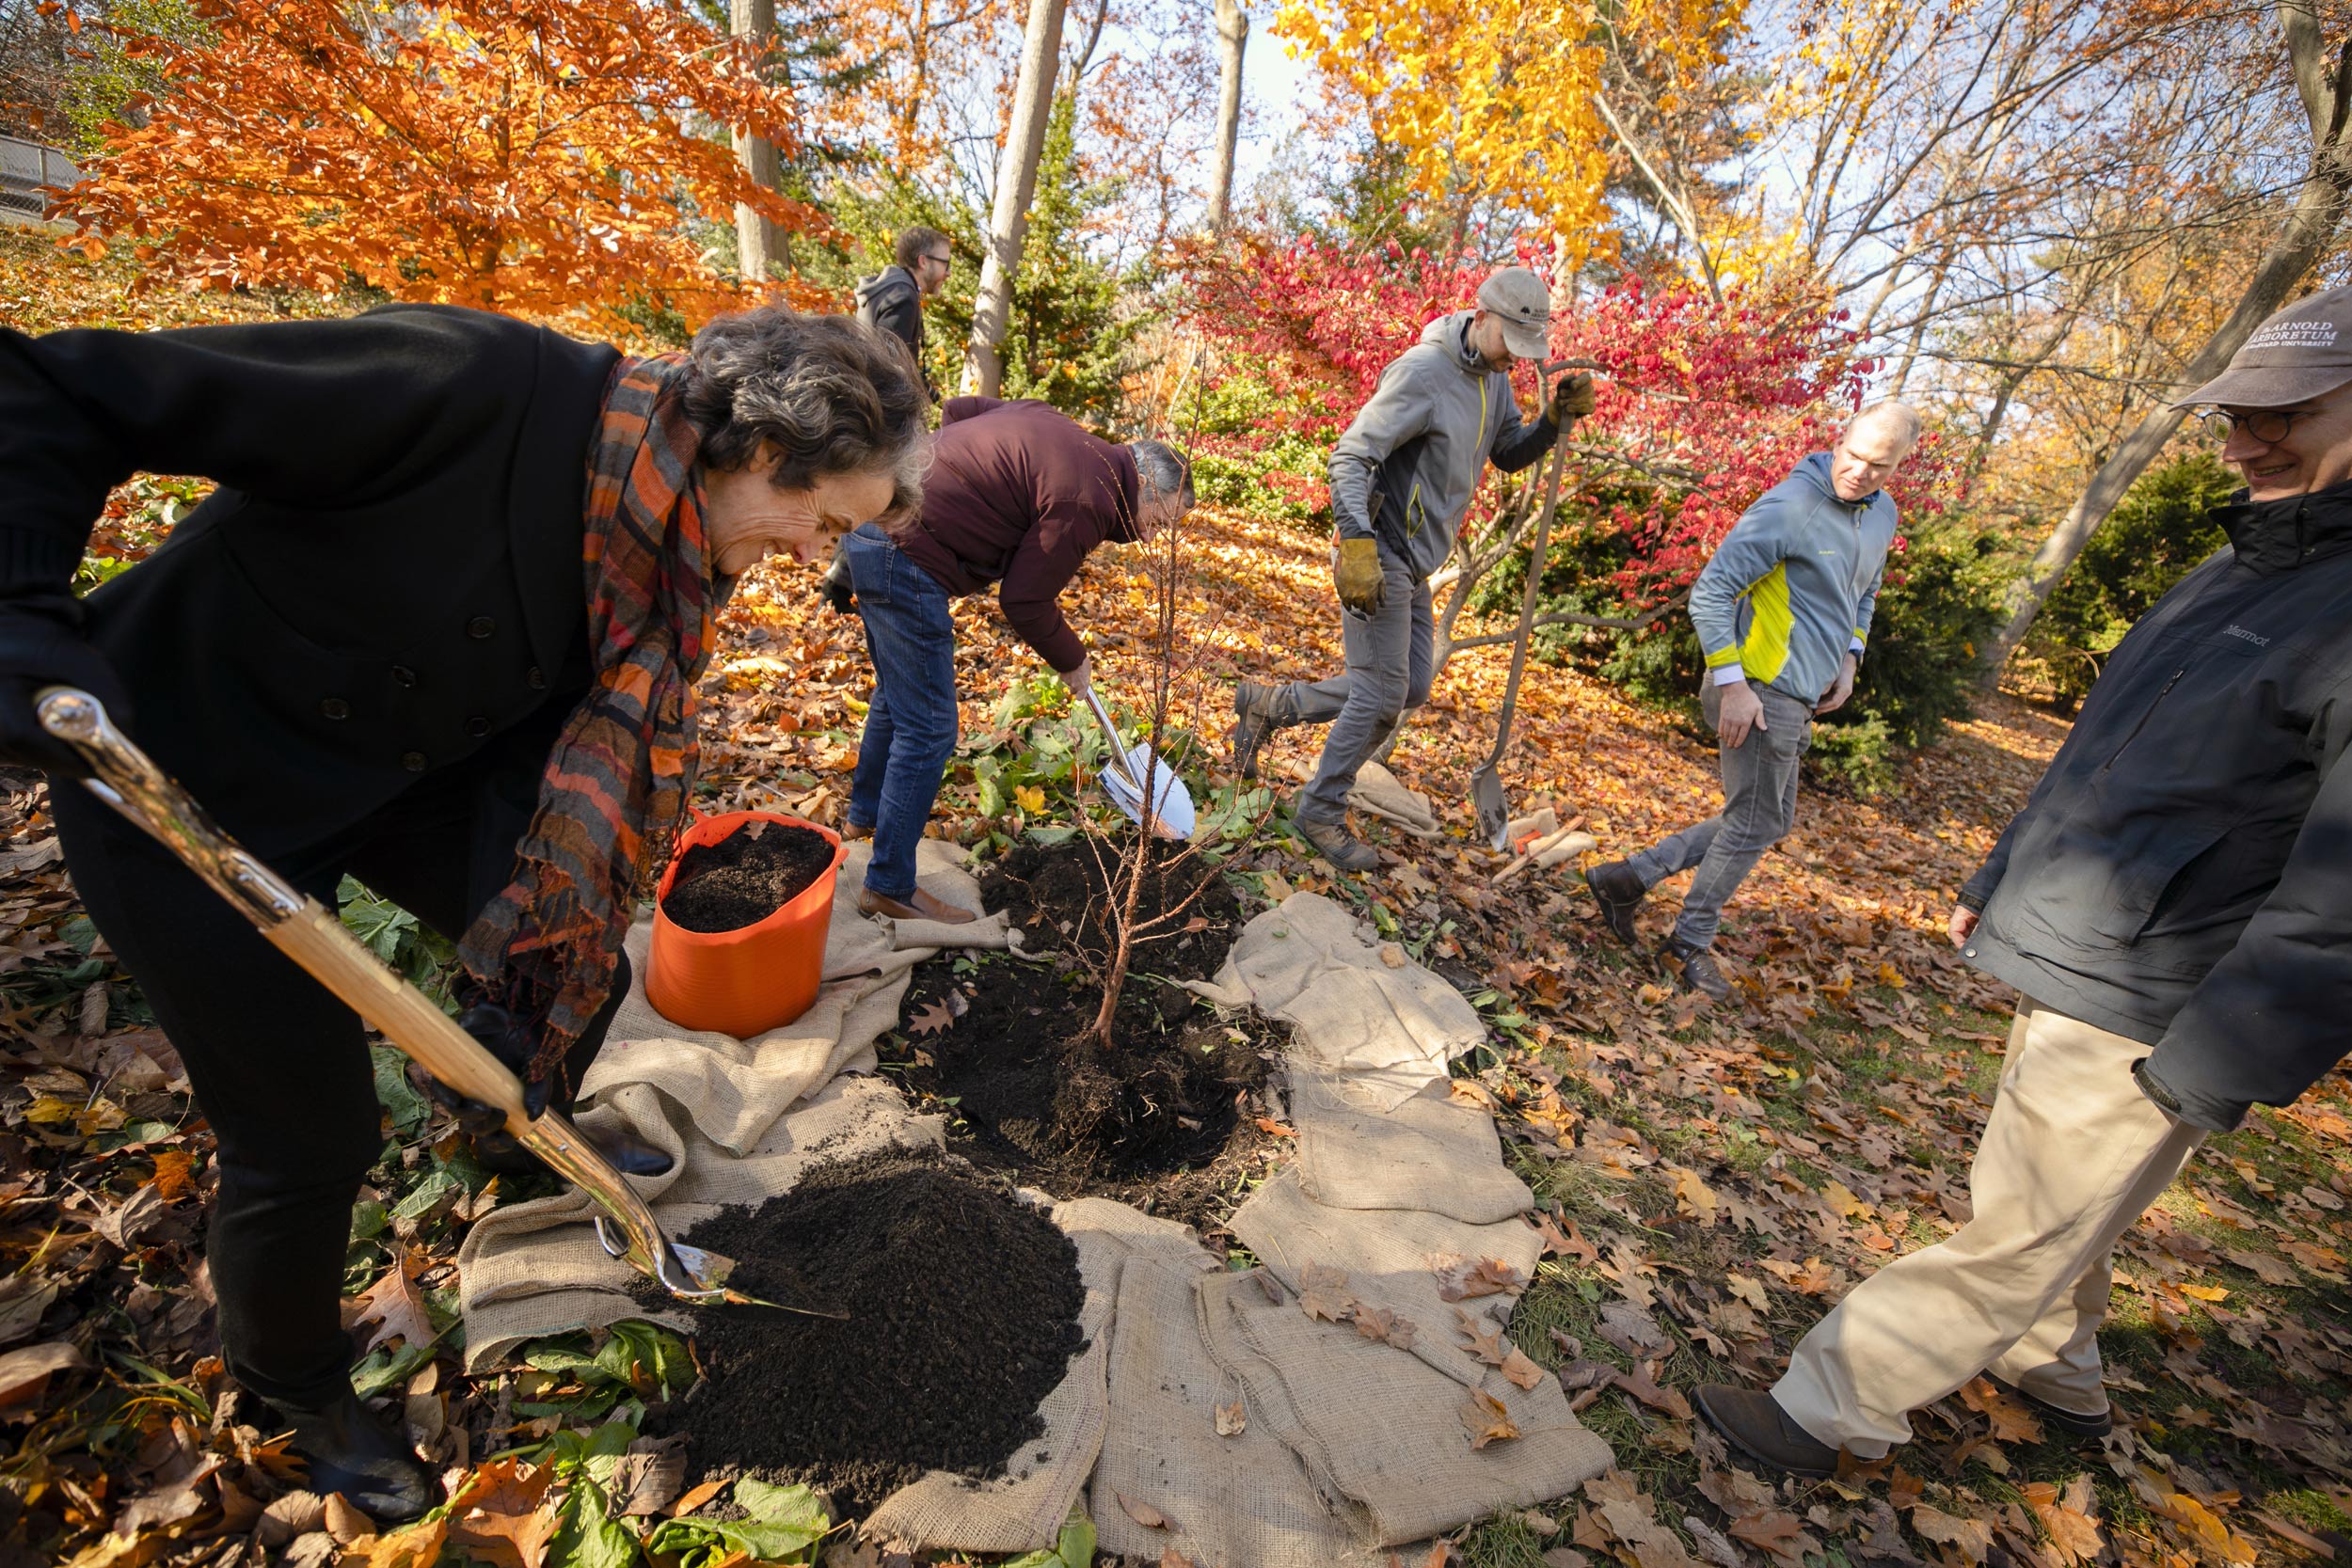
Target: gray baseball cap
[
  {"x": 2299, "y": 353},
  {"x": 1520, "y": 298}
]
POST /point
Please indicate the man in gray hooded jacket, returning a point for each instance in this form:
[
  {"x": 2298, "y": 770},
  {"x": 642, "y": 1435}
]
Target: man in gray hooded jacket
[{"x": 1402, "y": 476}]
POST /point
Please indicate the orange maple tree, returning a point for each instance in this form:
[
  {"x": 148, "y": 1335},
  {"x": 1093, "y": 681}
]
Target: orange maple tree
[{"x": 534, "y": 157}]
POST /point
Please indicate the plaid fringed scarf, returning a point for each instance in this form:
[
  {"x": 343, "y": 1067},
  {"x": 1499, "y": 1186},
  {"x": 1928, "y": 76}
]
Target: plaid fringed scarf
[{"x": 615, "y": 787}]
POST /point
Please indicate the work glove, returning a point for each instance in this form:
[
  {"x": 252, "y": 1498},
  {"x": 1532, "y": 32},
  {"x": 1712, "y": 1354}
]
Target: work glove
[
  {"x": 834, "y": 587},
  {"x": 1362, "y": 585},
  {"x": 41, "y": 645},
  {"x": 513, "y": 1042},
  {"x": 1571, "y": 398}
]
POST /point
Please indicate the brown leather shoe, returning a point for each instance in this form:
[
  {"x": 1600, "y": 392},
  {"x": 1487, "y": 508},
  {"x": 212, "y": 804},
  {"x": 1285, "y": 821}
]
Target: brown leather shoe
[
  {"x": 1752, "y": 1422},
  {"x": 920, "y": 906},
  {"x": 853, "y": 832}
]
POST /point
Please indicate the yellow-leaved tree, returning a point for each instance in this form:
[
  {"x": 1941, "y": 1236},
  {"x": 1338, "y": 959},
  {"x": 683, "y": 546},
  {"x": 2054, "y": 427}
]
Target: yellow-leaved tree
[{"x": 1507, "y": 103}]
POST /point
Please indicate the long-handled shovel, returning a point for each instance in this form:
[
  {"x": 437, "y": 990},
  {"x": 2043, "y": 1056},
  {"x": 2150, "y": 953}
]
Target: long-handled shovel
[
  {"x": 129, "y": 781},
  {"x": 1494, "y": 812}
]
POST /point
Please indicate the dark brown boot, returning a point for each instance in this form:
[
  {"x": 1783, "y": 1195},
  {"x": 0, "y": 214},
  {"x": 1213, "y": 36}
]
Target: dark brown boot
[
  {"x": 2071, "y": 1422},
  {"x": 1752, "y": 1422}
]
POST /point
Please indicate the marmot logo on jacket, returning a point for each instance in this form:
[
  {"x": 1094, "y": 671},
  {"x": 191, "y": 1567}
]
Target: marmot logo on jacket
[{"x": 2233, "y": 629}]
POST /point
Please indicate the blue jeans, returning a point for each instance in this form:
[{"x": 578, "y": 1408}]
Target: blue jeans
[{"x": 911, "y": 727}]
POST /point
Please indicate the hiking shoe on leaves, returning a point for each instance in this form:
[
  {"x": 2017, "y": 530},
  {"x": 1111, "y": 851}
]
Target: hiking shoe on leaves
[
  {"x": 1695, "y": 969},
  {"x": 1619, "y": 892},
  {"x": 1334, "y": 843},
  {"x": 1752, "y": 1422},
  {"x": 1253, "y": 723},
  {"x": 2075, "y": 1424}
]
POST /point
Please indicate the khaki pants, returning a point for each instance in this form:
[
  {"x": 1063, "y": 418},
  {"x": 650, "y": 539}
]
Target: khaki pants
[{"x": 2072, "y": 1156}]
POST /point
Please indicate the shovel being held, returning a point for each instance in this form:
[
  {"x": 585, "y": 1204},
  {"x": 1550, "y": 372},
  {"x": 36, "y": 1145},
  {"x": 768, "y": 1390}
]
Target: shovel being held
[
  {"x": 1170, "y": 814},
  {"x": 297, "y": 925}
]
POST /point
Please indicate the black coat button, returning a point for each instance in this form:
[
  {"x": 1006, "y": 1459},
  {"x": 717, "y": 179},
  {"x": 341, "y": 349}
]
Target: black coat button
[
  {"x": 402, "y": 675},
  {"x": 481, "y": 627},
  {"x": 537, "y": 679},
  {"x": 334, "y": 707},
  {"x": 413, "y": 761},
  {"x": 477, "y": 727}
]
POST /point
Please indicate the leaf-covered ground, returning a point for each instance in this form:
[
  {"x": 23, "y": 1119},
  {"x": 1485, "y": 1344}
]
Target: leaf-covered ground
[{"x": 1713, "y": 1179}]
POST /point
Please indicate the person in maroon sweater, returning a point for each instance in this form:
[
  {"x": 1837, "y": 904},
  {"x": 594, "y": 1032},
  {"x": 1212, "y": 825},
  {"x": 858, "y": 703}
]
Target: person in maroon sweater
[{"x": 1017, "y": 495}]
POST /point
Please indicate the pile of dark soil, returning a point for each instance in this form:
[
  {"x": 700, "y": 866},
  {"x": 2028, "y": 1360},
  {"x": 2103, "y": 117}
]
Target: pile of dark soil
[
  {"x": 963, "y": 1315},
  {"x": 745, "y": 877},
  {"x": 1167, "y": 1101}
]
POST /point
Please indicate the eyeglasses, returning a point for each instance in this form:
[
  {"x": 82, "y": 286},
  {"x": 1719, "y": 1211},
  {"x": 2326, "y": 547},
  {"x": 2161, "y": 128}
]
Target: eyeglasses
[
  {"x": 2267, "y": 425},
  {"x": 938, "y": 260}
]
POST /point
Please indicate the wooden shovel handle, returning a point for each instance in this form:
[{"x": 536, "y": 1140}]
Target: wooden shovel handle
[{"x": 405, "y": 1015}]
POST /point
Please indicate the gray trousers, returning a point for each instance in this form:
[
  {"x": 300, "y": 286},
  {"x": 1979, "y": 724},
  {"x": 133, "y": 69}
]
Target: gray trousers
[
  {"x": 1389, "y": 655},
  {"x": 1759, "y": 808}
]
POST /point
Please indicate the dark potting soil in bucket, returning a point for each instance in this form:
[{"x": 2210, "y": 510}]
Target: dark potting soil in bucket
[
  {"x": 1139, "y": 1121},
  {"x": 745, "y": 877},
  {"x": 963, "y": 1315}
]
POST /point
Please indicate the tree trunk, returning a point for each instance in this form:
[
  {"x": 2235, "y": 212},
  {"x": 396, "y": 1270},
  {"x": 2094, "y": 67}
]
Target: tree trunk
[
  {"x": 2311, "y": 227},
  {"x": 1016, "y": 183},
  {"x": 1232, "y": 36},
  {"x": 758, "y": 240}
]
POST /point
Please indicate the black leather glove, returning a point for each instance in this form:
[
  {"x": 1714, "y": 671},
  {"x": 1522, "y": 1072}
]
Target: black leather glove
[
  {"x": 513, "y": 1042},
  {"x": 835, "y": 589},
  {"x": 41, "y": 645}
]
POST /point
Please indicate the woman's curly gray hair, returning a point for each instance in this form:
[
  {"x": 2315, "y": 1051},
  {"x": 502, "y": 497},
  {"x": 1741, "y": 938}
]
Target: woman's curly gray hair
[{"x": 832, "y": 396}]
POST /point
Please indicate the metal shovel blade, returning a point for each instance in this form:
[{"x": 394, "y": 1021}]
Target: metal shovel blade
[
  {"x": 1494, "y": 812},
  {"x": 1170, "y": 814}
]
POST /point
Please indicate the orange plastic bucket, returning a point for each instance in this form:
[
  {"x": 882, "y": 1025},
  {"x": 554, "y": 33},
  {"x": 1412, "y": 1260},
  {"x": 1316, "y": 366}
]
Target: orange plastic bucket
[{"x": 755, "y": 978}]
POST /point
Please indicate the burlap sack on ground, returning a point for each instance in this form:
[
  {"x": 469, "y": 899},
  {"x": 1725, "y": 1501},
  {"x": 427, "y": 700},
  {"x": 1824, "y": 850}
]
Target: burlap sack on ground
[
  {"x": 1023, "y": 1509},
  {"x": 1390, "y": 1256},
  {"x": 1430, "y": 1151},
  {"x": 1305, "y": 963},
  {"x": 1382, "y": 793},
  {"x": 1385, "y": 1429},
  {"x": 719, "y": 1107},
  {"x": 1239, "y": 1501}
]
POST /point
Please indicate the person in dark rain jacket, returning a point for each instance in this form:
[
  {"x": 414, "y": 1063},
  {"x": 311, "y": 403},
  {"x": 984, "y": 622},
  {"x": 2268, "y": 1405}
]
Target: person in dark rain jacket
[{"x": 2175, "y": 904}]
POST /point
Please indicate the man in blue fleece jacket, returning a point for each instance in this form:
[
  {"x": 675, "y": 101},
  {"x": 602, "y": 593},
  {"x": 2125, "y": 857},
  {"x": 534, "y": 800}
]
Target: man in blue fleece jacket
[{"x": 1783, "y": 609}]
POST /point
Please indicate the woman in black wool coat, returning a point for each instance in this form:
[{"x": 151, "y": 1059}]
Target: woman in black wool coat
[{"x": 438, "y": 627}]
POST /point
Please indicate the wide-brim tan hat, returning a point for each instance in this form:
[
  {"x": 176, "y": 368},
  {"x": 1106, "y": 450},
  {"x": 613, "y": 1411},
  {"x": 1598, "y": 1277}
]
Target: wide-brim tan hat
[{"x": 2299, "y": 354}]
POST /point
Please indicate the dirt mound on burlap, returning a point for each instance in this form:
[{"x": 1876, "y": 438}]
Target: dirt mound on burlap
[
  {"x": 745, "y": 877},
  {"x": 963, "y": 1315},
  {"x": 1157, "y": 1120}
]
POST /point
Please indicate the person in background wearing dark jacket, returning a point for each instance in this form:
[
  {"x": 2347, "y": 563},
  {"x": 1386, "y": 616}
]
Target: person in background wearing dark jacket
[
  {"x": 439, "y": 628},
  {"x": 1017, "y": 495},
  {"x": 892, "y": 300},
  {"x": 1402, "y": 473},
  {"x": 2174, "y": 903}
]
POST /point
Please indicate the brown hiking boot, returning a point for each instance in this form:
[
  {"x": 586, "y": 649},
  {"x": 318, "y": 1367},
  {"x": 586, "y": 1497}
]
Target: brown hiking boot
[
  {"x": 1619, "y": 892},
  {"x": 1334, "y": 843},
  {"x": 1752, "y": 1422},
  {"x": 915, "y": 906},
  {"x": 853, "y": 832},
  {"x": 1253, "y": 724}
]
